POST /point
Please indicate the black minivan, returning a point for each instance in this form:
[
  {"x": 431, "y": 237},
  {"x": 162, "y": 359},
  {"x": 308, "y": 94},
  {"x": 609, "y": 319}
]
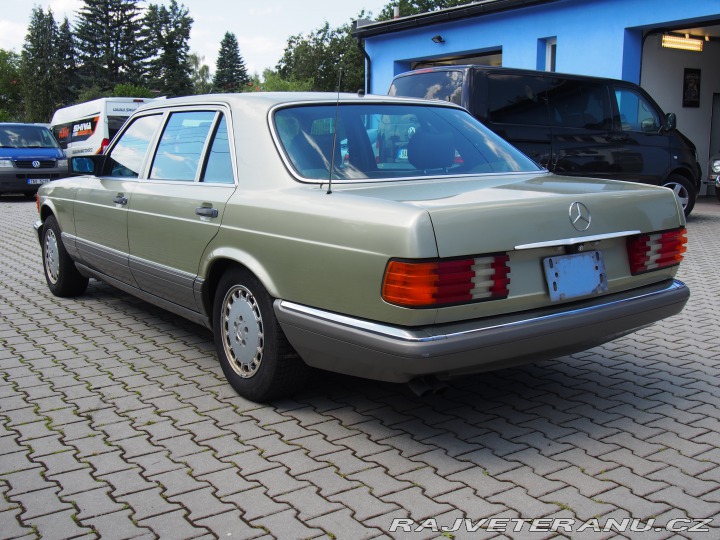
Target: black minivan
[{"x": 570, "y": 124}]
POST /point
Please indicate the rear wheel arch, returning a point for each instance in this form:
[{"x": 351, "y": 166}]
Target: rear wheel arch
[
  {"x": 215, "y": 272},
  {"x": 255, "y": 356}
]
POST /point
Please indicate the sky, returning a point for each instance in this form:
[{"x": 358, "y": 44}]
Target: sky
[{"x": 261, "y": 27}]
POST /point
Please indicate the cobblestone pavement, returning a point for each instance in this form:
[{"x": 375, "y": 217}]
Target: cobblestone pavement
[{"x": 116, "y": 422}]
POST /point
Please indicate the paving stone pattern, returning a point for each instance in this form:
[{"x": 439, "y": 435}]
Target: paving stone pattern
[{"x": 116, "y": 422}]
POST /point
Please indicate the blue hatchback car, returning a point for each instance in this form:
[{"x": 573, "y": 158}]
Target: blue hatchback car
[{"x": 29, "y": 157}]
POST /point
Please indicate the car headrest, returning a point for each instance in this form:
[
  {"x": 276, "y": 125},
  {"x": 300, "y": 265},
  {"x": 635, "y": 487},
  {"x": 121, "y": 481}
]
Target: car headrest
[{"x": 427, "y": 151}]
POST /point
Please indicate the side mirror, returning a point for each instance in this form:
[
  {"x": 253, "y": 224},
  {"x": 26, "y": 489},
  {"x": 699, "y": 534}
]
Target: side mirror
[
  {"x": 670, "y": 122},
  {"x": 84, "y": 165}
]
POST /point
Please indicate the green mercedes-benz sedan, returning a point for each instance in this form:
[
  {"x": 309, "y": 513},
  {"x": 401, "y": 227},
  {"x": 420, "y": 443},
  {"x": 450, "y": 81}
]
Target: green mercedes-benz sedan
[{"x": 393, "y": 239}]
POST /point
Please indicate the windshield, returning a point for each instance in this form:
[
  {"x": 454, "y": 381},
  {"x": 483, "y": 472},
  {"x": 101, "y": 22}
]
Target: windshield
[
  {"x": 377, "y": 141},
  {"x": 26, "y": 136}
]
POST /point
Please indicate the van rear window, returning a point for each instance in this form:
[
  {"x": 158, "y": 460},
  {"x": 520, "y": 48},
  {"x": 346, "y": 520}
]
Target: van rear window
[
  {"x": 114, "y": 124},
  {"x": 442, "y": 85}
]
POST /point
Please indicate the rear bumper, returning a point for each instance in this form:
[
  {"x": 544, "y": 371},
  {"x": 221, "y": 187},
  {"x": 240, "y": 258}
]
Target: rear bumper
[{"x": 377, "y": 351}]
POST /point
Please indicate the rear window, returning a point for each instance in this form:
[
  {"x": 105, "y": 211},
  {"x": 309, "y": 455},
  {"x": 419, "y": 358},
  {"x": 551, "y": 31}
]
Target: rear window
[
  {"x": 114, "y": 124},
  {"x": 26, "y": 136},
  {"x": 378, "y": 141},
  {"x": 442, "y": 85}
]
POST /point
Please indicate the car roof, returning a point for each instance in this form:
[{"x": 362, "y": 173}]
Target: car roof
[
  {"x": 268, "y": 100},
  {"x": 12, "y": 124}
]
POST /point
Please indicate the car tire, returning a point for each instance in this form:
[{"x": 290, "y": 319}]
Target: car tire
[
  {"x": 717, "y": 193},
  {"x": 256, "y": 357},
  {"x": 61, "y": 274},
  {"x": 684, "y": 191}
]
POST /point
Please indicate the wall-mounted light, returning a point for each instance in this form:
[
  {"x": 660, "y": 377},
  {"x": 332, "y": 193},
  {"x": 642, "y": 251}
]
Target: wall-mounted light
[
  {"x": 687, "y": 43},
  {"x": 438, "y": 39}
]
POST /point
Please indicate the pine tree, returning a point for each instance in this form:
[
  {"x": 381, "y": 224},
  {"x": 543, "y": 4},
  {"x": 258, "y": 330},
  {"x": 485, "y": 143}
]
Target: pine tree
[
  {"x": 66, "y": 80},
  {"x": 168, "y": 32},
  {"x": 230, "y": 72},
  {"x": 38, "y": 66},
  {"x": 110, "y": 49}
]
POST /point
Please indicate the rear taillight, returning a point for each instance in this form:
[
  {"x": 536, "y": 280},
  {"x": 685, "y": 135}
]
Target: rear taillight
[
  {"x": 647, "y": 252},
  {"x": 103, "y": 146},
  {"x": 445, "y": 282}
]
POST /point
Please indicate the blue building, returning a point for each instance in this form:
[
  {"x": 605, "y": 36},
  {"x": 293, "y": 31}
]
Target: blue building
[{"x": 621, "y": 39}]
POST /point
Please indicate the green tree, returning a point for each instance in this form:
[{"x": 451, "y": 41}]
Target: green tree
[
  {"x": 319, "y": 55},
  {"x": 168, "y": 32},
  {"x": 66, "y": 79},
  {"x": 416, "y": 7},
  {"x": 132, "y": 90},
  {"x": 110, "y": 44},
  {"x": 10, "y": 87},
  {"x": 39, "y": 67},
  {"x": 200, "y": 74},
  {"x": 230, "y": 72},
  {"x": 89, "y": 93},
  {"x": 273, "y": 82}
]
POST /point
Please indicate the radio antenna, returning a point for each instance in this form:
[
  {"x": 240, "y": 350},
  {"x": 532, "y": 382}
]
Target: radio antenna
[{"x": 332, "y": 154}]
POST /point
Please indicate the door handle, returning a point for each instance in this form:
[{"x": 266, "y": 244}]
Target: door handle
[
  {"x": 204, "y": 211},
  {"x": 120, "y": 199}
]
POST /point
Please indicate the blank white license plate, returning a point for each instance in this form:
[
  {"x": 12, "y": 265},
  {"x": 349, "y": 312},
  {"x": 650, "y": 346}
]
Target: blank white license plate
[
  {"x": 571, "y": 276},
  {"x": 32, "y": 181}
]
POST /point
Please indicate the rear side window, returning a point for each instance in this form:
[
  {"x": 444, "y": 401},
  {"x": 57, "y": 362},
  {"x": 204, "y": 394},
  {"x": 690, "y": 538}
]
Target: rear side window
[
  {"x": 580, "y": 104},
  {"x": 219, "y": 164},
  {"x": 442, "y": 85},
  {"x": 518, "y": 99},
  {"x": 181, "y": 146}
]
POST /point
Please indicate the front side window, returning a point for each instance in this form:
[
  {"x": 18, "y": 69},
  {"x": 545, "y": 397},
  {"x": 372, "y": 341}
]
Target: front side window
[
  {"x": 378, "y": 141},
  {"x": 181, "y": 146},
  {"x": 636, "y": 113},
  {"x": 127, "y": 156}
]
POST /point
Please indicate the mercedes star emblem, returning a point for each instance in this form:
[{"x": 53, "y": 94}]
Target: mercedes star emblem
[{"x": 580, "y": 216}]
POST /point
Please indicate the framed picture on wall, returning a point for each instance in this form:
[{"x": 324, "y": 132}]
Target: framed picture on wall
[{"x": 691, "y": 88}]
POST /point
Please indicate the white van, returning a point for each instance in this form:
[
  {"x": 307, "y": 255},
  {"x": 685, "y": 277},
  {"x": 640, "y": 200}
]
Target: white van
[{"x": 87, "y": 128}]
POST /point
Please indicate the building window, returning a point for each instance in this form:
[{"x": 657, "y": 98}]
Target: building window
[{"x": 546, "y": 54}]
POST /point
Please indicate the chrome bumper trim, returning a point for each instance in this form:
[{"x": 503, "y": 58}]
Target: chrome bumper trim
[{"x": 416, "y": 335}]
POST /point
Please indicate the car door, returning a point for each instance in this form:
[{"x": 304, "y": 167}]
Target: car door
[
  {"x": 101, "y": 204},
  {"x": 178, "y": 208}
]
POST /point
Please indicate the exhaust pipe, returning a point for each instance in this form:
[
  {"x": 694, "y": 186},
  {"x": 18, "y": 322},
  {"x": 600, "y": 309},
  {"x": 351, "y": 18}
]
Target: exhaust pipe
[{"x": 426, "y": 386}]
